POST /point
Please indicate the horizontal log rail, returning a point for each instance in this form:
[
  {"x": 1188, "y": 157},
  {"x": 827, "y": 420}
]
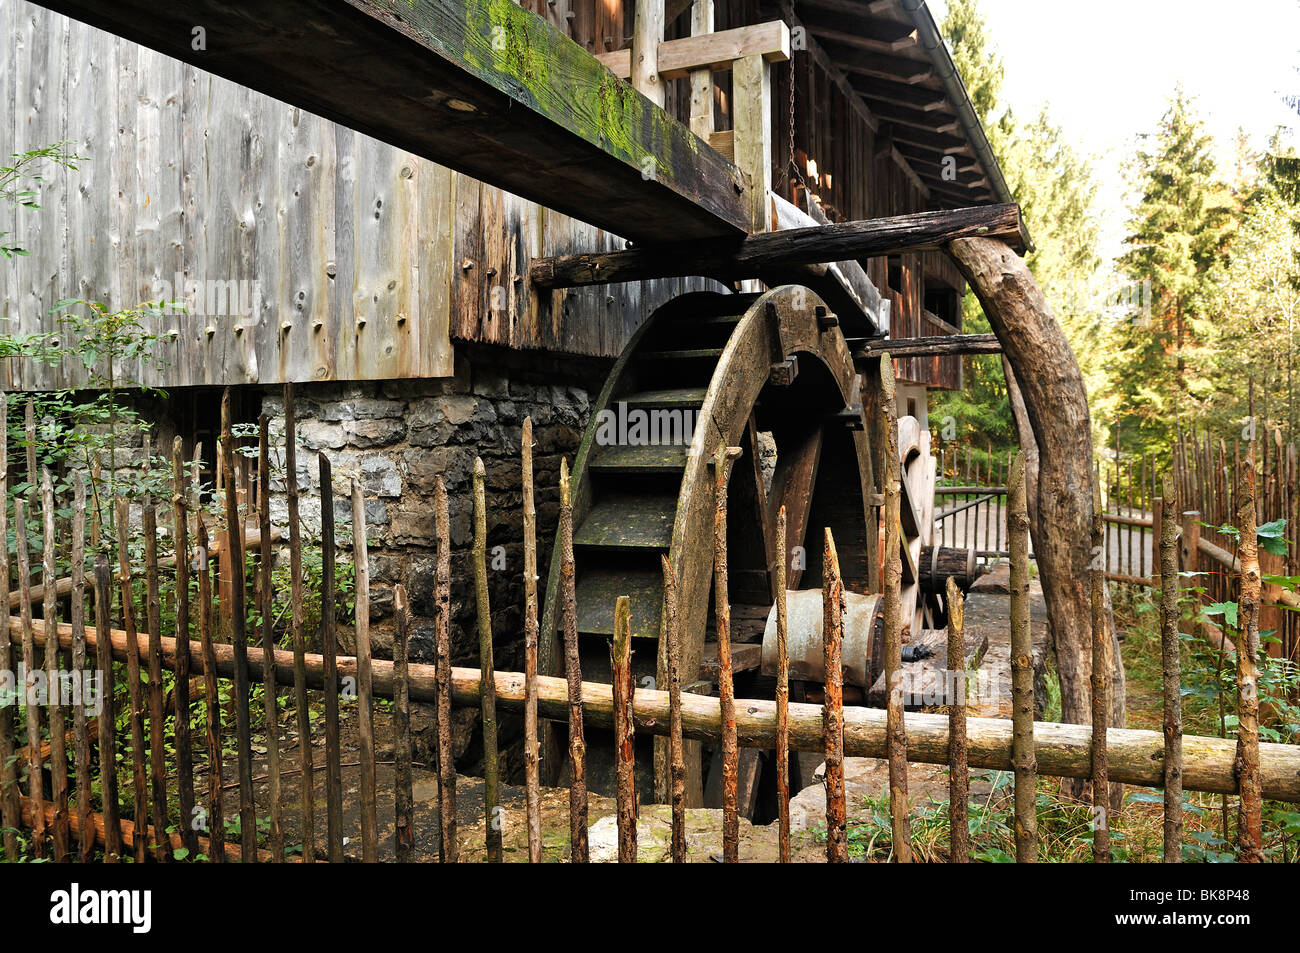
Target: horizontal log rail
[
  {"x": 940, "y": 345},
  {"x": 231, "y": 853},
  {"x": 63, "y": 587},
  {"x": 1273, "y": 593},
  {"x": 1127, "y": 520},
  {"x": 1136, "y": 756},
  {"x": 751, "y": 257}
]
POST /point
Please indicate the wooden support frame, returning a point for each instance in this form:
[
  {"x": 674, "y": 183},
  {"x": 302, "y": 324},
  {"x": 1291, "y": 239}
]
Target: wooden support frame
[
  {"x": 750, "y": 257},
  {"x": 711, "y": 51},
  {"x": 486, "y": 88}
]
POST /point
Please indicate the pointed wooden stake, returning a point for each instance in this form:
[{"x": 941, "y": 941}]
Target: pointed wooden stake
[
  {"x": 493, "y": 813},
  {"x": 1171, "y": 663},
  {"x": 1022, "y": 669},
  {"x": 532, "y": 773},
  {"x": 620, "y": 660},
  {"x": 1101, "y": 662},
  {"x": 837, "y": 847},
  {"x": 447, "y": 844},
  {"x": 782, "y": 697},
  {"x": 958, "y": 770},
  {"x": 573, "y": 677},
  {"x": 676, "y": 758}
]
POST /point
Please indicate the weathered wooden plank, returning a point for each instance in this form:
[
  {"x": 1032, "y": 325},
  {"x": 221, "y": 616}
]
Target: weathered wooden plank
[
  {"x": 502, "y": 96},
  {"x": 944, "y": 345},
  {"x": 749, "y": 257},
  {"x": 709, "y": 51}
]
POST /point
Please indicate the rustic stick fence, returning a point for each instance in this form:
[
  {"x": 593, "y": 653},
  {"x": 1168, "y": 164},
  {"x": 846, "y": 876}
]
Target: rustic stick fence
[{"x": 47, "y": 797}]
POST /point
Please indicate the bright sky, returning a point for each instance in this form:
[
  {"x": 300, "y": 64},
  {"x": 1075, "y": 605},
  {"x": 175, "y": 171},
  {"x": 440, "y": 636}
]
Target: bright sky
[{"x": 1106, "y": 69}]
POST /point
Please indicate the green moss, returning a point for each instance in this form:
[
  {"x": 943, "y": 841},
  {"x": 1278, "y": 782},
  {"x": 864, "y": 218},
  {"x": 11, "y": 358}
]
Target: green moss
[{"x": 503, "y": 39}]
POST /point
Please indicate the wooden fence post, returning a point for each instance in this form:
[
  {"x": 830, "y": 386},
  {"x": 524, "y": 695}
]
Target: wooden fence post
[
  {"x": 1022, "y": 669},
  {"x": 1172, "y": 725}
]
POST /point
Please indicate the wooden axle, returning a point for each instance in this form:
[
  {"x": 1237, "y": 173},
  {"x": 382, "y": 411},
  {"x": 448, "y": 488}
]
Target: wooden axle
[
  {"x": 751, "y": 257},
  {"x": 1061, "y": 750}
]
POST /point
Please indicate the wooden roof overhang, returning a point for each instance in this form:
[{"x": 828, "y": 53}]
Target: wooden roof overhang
[
  {"x": 891, "y": 55},
  {"x": 484, "y": 87}
]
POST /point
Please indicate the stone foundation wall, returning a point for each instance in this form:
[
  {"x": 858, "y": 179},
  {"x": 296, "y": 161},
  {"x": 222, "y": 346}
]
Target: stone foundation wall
[{"x": 396, "y": 438}]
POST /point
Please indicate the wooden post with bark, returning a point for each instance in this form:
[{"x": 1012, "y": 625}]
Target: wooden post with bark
[
  {"x": 1249, "y": 824},
  {"x": 80, "y": 726},
  {"x": 403, "y": 790},
  {"x": 181, "y": 687},
  {"x": 958, "y": 770},
  {"x": 573, "y": 678},
  {"x": 837, "y": 847},
  {"x": 1170, "y": 659},
  {"x": 365, "y": 680},
  {"x": 532, "y": 772},
  {"x": 487, "y": 702},
  {"x": 211, "y": 697},
  {"x": 139, "y": 808},
  {"x": 676, "y": 759},
  {"x": 266, "y": 609},
  {"x": 233, "y": 557},
  {"x": 726, "y": 692},
  {"x": 10, "y": 797},
  {"x": 61, "y": 832},
  {"x": 893, "y": 621},
  {"x": 153, "y": 622},
  {"x": 1100, "y": 687},
  {"x": 329, "y": 651},
  {"x": 107, "y": 722},
  {"x": 782, "y": 697},
  {"x": 307, "y": 797},
  {"x": 620, "y": 666},
  {"x": 448, "y": 847},
  {"x": 1022, "y": 669}
]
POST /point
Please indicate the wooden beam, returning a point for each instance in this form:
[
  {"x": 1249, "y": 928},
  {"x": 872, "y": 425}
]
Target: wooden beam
[
  {"x": 749, "y": 257},
  {"x": 881, "y": 65},
  {"x": 751, "y": 119},
  {"x": 484, "y": 87},
  {"x": 928, "y": 121},
  {"x": 712, "y": 51},
  {"x": 943, "y": 345},
  {"x": 1062, "y": 750},
  {"x": 702, "y": 81},
  {"x": 936, "y": 142},
  {"x": 875, "y": 90},
  {"x": 863, "y": 32}
]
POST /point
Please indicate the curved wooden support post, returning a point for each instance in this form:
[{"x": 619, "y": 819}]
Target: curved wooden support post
[{"x": 1054, "y": 418}]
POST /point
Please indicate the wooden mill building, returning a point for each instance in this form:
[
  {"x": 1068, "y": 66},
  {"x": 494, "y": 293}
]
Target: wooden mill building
[{"x": 354, "y": 196}]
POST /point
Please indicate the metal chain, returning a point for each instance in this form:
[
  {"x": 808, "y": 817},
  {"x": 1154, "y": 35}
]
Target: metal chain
[{"x": 794, "y": 165}]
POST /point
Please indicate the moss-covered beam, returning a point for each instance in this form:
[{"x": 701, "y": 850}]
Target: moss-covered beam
[{"x": 482, "y": 86}]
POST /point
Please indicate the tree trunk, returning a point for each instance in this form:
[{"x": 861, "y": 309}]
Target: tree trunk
[{"x": 1050, "y": 405}]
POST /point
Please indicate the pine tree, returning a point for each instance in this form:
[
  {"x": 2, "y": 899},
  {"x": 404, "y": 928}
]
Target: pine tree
[{"x": 1178, "y": 231}]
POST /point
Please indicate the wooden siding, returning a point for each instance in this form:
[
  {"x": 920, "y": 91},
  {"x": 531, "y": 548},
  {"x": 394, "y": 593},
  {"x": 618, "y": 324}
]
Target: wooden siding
[{"x": 363, "y": 262}]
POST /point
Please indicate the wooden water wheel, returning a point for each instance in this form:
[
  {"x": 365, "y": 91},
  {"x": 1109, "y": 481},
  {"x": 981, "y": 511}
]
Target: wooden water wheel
[{"x": 771, "y": 374}]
